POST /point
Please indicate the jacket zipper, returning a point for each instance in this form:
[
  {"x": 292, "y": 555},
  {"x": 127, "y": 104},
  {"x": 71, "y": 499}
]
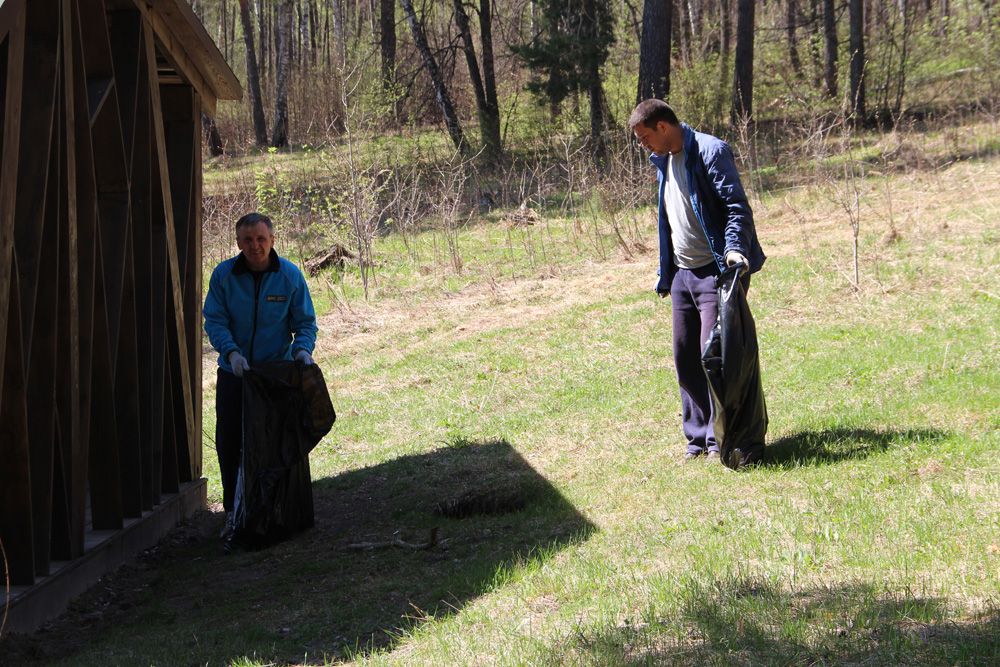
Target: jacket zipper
[
  {"x": 257, "y": 280},
  {"x": 696, "y": 207}
]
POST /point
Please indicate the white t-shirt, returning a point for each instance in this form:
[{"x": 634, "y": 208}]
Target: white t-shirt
[{"x": 691, "y": 249}]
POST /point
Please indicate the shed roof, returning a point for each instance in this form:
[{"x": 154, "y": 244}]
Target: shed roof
[{"x": 189, "y": 53}]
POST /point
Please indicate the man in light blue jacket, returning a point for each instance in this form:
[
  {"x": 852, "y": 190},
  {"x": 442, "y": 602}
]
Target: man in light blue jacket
[
  {"x": 258, "y": 309},
  {"x": 705, "y": 224}
]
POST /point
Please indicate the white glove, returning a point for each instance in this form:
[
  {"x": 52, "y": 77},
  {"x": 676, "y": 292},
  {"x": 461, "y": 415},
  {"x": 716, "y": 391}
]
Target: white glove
[
  {"x": 304, "y": 357},
  {"x": 733, "y": 258},
  {"x": 239, "y": 363}
]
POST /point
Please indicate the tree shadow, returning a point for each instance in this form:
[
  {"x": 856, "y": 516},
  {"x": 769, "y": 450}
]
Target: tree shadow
[
  {"x": 745, "y": 620},
  {"x": 395, "y": 545},
  {"x": 814, "y": 448}
]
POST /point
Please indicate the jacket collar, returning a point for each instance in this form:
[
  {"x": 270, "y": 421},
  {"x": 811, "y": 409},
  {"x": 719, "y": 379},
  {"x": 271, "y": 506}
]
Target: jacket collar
[
  {"x": 690, "y": 148},
  {"x": 690, "y": 145},
  {"x": 241, "y": 266}
]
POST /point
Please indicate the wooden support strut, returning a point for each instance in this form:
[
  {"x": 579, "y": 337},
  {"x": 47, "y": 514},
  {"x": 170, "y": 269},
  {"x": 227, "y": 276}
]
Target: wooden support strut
[
  {"x": 172, "y": 258},
  {"x": 174, "y": 54},
  {"x": 9, "y": 160}
]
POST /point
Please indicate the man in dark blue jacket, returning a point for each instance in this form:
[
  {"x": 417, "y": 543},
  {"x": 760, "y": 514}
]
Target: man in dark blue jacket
[
  {"x": 258, "y": 309},
  {"x": 705, "y": 224}
]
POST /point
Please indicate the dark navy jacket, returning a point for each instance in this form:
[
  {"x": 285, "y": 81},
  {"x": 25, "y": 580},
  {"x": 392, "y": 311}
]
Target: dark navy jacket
[
  {"x": 259, "y": 320},
  {"x": 718, "y": 201}
]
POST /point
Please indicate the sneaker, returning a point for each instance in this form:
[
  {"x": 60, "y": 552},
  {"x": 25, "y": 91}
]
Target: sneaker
[
  {"x": 691, "y": 456},
  {"x": 713, "y": 455}
]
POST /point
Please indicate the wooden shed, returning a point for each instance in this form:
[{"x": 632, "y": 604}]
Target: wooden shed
[{"x": 100, "y": 285}]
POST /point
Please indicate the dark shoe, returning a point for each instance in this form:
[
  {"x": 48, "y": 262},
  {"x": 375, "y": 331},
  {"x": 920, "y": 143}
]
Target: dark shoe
[
  {"x": 739, "y": 458},
  {"x": 227, "y": 528}
]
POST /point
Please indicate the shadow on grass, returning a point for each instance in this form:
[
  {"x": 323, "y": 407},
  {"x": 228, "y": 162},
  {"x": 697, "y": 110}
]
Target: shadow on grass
[
  {"x": 362, "y": 579},
  {"x": 747, "y": 621},
  {"x": 813, "y": 448}
]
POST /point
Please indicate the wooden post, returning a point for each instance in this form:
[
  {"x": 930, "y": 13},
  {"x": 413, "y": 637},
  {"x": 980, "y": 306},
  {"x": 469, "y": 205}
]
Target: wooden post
[{"x": 176, "y": 288}]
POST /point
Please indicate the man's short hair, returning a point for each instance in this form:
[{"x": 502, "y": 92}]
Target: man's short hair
[
  {"x": 650, "y": 112},
  {"x": 251, "y": 219}
]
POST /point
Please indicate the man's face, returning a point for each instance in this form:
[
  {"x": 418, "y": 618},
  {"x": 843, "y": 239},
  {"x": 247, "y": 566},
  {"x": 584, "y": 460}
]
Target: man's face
[
  {"x": 255, "y": 241},
  {"x": 661, "y": 139}
]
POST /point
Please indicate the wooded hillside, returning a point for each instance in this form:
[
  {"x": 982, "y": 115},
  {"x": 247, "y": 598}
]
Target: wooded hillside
[{"x": 500, "y": 75}]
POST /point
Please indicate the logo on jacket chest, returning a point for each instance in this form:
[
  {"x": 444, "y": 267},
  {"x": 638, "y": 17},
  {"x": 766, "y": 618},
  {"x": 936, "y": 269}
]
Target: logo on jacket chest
[{"x": 276, "y": 298}]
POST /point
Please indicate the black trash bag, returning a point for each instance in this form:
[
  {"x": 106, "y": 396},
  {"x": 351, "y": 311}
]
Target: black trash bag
[
  {"x": 286, "y": 412},
  {"x": 731, "y": 363}
]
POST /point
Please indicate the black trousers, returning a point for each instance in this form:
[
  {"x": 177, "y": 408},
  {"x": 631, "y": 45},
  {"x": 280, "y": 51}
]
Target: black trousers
[
  {"x": 695, "y": 304},
  {"x": 228, "y": 432}
]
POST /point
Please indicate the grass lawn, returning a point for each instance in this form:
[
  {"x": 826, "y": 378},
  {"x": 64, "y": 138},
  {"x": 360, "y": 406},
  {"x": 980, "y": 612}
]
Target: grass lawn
[{"x": 531, "y": 416}]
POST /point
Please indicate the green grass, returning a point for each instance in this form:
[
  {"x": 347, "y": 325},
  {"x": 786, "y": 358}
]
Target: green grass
[{"x": 871, "y": 535}]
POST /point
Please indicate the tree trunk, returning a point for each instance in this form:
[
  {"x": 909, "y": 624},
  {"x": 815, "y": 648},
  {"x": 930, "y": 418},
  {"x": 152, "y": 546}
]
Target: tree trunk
[
  {"x": 253, "y": 78},
  {"x": 684, "y": 31},
  {"x": 742, "y": 109},
  {"x": 440, "y": 91},
  {"x": 793, "y": 46},
  {"x": 279, "y": 134},
  {"x": 816, "y": 43},
  {"x": 489, "y": 114},
  {"x": 597, "y": 119},
  {"x": 694, "y": 15},
  {"x": 942, "y": 23},
  {"x": 857, "y": 19},
  {"x": 830, "y": 34},
  {"x": 726, "y": 26},
  {"x": 265, "y": 38},
  {"x": 215, "y": 147},
  {"x": 313, "y": 32},
  {"x": 654, "y": 50},
  {"x": 340, "y": 32},
  {"x": 387, "y": 43},
  {"x": 494, "y": 144},
  {"x": 224, "y": 29}
]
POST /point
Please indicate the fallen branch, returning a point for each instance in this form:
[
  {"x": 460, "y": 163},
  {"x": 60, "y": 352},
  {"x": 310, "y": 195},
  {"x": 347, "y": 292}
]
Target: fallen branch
[
  {"x": 522, "y": 217},
  {"x": 399, "y": 542},
  {"x": 334, "y": 256}
]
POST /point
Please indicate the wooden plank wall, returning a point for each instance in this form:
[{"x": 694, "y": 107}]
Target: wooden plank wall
[{"x": 100, "y": 277}]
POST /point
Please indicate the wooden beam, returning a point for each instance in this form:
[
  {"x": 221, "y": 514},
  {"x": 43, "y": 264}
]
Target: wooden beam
[
  {"x": 136, "y": 496},
  {"x": 133, "y": 101},
  {"x": 37, "y": 219},
  {"x": 174, "y": 51},
  {"x": 15, "y": 473},
  {"x": 38, "y": 102},
  {"x": 127, "y": 52},
  {"x": 170, "y": 474},
  {"x": 9, "y": 151},
  {"x": 195, "y": 287},
  {"x": 177, "y": 292},
  {"x": 74, "y": 444},
  {"x": 158, "y": 280},
  {"x": 180, "y": 20},
  {"x": 98, "y": 428},
  {"x": 8, "y": 9},
  {"x": 110, "y": 164},
  {"x": 66, "y": 411},
  {"x": 182, "y": 124},
  {"x": 98, "y": 91}
]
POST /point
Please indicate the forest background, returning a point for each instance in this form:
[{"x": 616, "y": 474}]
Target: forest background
[{"x": 383, "y": 115}]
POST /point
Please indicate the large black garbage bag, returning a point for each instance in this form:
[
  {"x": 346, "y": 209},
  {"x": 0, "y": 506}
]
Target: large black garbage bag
[
  {"x": 731, "y": 363},
  {"x": 286, "y": 412}
]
